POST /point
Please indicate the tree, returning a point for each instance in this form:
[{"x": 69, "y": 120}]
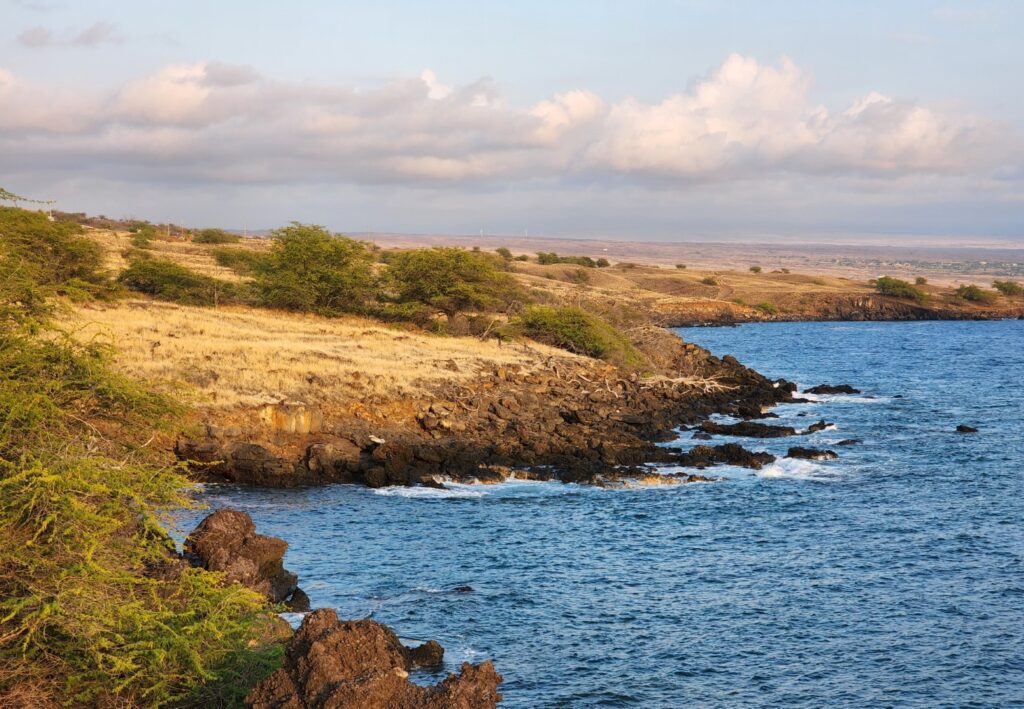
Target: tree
[
  {"x": 310, "y": 269},
  {"x": 603, "y": 263},
  {"x": 504, "y": 253},
  {"x": 897, "y": 288},
  {"x": 450, "y": 279}
]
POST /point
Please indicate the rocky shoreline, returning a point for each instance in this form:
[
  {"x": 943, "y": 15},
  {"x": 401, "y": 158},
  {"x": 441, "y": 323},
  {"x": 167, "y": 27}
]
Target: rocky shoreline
[{"x": 582, "y": 423}]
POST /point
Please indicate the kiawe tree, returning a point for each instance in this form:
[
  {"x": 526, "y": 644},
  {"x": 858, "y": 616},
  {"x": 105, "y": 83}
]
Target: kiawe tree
[
  {"x": 310, "y": 269},
  {"x": 450, "y": 280}
]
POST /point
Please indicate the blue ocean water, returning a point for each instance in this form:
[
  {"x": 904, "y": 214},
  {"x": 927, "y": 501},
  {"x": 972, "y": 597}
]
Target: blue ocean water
[{"x": 892, "y": 576}]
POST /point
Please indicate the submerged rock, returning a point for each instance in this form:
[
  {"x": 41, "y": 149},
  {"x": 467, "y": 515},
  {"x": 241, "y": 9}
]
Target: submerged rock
[
  {"x": 819, "y": 426},
  {"x": 749, "y": 429},
  {"x": 811, "y": 453},
  {"x": 832, "y": 389},
  {"x": 226, "y": 541},
  {"x": 848, "y": 442},
  {"x": 332, "y": 664}
]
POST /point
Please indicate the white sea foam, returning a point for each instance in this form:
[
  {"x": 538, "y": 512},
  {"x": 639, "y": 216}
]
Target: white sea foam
[
  {"x": 795, "y": 469},
  {"x": 451, "y": 491},
  {"x": 842, "y": 398}
]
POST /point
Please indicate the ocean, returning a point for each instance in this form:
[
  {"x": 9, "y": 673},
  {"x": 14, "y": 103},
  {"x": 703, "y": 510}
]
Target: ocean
[{"x": 892, "y": 576}]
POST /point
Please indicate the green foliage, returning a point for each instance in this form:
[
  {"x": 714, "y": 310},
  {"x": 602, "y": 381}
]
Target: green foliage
[
  {"x": 1008, "y": 288},
  {"x": 897, "y": 288},
  {"x": 681, "y": 266},
  {"x": 920, "y": 281},
  {"x": 548, "y": 258},
  {"x": 215, "y": 236},
  {"x": 242, "y": 261},
  {"x": 165, "y": 280},
  {"x": 574, "y": 329},
  {"x": 580, "y": 277},
  {"x": 84, "y": 620},
  {"x": 709, "y": 281},
  {"x": 451, "y": 280},
  {"x": 310, "y": 269},
  {"x": 141, "y": 241},
  {"x": 755, "y": 269},
  {"x": 521, "y": 257},
  {"x": 504, "y": 253},
  {"x": 975, "y": 294},
  {"x": 767, "y": 308},
  {"x": 39, "y": 259},
  {"x": 603, "y": 262}
]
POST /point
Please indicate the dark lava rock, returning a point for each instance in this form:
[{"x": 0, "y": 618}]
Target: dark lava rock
[
  {"x": 818, "y": 426},
  {"x": 748, "y": 429},
  {"x": 832, "y": 389},
  {"x": 333, "y": 664},
  {"x": 848, "y": 442},
  {"x": 463, "y": 589},
  {"x": 727, "y": 453},
  {"x": 299, "y": 602},
  {"x": 701, "y": 436},
  {"x": 964, "y": 428},
  {"x": 429, "y": 654},
  {"x": 811, "y": 453},
  {"x": 227, "y": 541}
]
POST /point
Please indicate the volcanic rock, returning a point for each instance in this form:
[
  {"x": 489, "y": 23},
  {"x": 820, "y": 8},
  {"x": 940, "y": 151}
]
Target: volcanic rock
[
  {"x": 964, "y": 428},
  {"x": 832, "y": 389},
  {"x": 226, "y": 541},
  {"x": 811, "y": 453},
  {"x": 333, "y": 664},
  {"x": 748, "y": 429}
]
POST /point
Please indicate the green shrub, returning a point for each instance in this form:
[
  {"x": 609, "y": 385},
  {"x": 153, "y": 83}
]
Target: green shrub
[
  {"x": 242, "y": 261},
  {"x": 574, "y": 329},
  {"x": 975, "y": 294},
  {"x": 580, "y": 277},
  {"x": 165, "y": 280},
  {"x": 450, "y": 280},
  {"x": 141, "y": 241},
  {"x": 767, "y": 308},
  {"x": 603, "y": 263},
  {"x": 1008, "y": 288},
  {"x": 83, "y": 620},
  {"x": 215, "y": 236},
  {"x": 548, "y": 258},
  {"x": 310, "y": 269},
  {"x": 681, "y": 266},
  {"x": 755, "y": 269},
  {"x": 920, "y": 281},
  {"x": 898, "y": 288},
  {"x": 521, "y": 257},
  {"x": 709, "y": 281},
  {"x": 504, "y": 253}
]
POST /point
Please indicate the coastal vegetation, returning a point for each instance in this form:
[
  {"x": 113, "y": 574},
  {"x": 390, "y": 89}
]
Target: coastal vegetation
[
  {"x": 574, "y": 329},
  {"x": 899, "y": 288},
  {"x": 93, "y": 608},
  {"x": 975, "y": 294},
  {"x": 215, "y": 236},
  {"x": 1008, "y": 288}
]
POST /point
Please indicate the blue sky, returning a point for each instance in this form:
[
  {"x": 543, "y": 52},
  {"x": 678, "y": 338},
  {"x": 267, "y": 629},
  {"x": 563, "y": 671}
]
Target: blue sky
[{"x": 685, "y": 119}]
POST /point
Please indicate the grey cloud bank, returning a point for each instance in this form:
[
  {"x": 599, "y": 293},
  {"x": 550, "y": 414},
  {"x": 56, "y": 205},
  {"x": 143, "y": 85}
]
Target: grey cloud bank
[{"x": 746, "y": 137}]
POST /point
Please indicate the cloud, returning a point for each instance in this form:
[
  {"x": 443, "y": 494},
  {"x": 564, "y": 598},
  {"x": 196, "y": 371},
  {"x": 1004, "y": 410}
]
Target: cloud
[
  {"x": 211, "y": 122},
  {"x": 93, "y": 36}
]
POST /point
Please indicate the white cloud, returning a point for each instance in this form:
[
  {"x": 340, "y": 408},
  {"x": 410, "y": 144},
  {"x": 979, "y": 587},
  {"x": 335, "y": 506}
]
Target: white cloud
[{"x": 224, "y": 123}]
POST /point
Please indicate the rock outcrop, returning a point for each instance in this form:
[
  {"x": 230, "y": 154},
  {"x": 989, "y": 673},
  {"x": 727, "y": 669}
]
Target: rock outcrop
[
  {"x": 964, "y": 428},
  {"x": 832, "y": 389},
  {"x": 584, "y": 422},
  {"x": 747, "y": 429},
  {"x": 333, "y": 664},
  {"x": 811, "y": 453},
  {"x": 227, "y": 541}
]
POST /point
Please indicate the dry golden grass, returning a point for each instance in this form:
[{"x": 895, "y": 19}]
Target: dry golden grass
[
  {"x": 245, "y": 358},
  {"x": 198, "y": 257}
]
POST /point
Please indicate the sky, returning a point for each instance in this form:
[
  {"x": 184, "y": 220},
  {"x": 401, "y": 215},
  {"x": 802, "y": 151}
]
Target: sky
[{"x": 666, "y": 120}]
